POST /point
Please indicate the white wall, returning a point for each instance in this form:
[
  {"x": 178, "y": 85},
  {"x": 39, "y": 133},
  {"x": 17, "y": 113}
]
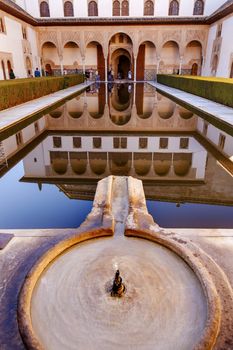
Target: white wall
[
  {"x": 225, "y": 60},
  {"x": 136, "y": 7}
]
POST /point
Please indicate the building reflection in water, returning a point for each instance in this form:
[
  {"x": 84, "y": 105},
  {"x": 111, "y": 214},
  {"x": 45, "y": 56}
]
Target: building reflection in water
[{"x": 126, "y": 130}]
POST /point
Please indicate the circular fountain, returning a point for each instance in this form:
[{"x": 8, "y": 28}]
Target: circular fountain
[
  {"x": 120, "y": 282},
  {"x": 163, "y": 305}
]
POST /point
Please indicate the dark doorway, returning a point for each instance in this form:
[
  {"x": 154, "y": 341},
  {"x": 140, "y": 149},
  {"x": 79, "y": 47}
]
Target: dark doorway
[
  {"x": 194, "y": 69},
  {"x": 123, "y": 67},
  {"x": 9, "y": 66},
  {"x": 231, "y": 74},
  {"x": 48, "y": 69}
]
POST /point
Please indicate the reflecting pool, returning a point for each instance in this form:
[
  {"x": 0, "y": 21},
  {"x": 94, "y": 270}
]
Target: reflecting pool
[{"x": 49, "y": 169}]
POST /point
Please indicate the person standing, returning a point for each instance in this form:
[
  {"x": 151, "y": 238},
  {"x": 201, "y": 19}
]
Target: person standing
[{"x": 37, "y": 73}]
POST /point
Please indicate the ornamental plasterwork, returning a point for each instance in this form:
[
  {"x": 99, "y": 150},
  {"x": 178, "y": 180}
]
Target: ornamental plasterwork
[
  {"x": 199, "y": 35},
  {"x": 93, "y": 36},
  {"x": 48, "y": 36},
  {"x": 171, "y": 36},
  {"x": 148, "y": 36},
  {"x": 70, "y": 36}
]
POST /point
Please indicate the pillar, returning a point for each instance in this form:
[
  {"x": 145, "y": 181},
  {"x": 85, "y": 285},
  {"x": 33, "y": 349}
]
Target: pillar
[
  {"x": 83, "y": 64},
  {"x": 61, "y": 65},
  {"x": 106, "y": 68},
  {"x": 180, "y": 68},
  {"x": 135, "y": 68}
]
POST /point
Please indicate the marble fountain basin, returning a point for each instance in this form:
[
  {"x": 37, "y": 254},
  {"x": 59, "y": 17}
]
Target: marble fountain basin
[{"x": 164, "y": 307}]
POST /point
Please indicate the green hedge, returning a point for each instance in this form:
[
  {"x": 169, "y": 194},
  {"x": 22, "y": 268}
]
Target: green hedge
[
  {"x": 17, "y": 91},
  {"x": 215, "y": 89}
]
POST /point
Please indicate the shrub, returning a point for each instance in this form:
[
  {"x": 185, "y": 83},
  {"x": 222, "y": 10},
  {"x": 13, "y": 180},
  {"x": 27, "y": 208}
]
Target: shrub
[
  {"x": 215, "y": 89},
  {"x": 15, "y": 92}
]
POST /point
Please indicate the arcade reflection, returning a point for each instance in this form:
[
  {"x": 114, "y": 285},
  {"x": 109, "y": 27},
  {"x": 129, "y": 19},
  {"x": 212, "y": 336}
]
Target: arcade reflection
[{"x": 126, "y": 129}]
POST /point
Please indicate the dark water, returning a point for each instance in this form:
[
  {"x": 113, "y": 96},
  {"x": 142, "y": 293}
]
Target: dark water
[{"x": 49, "y": 179}]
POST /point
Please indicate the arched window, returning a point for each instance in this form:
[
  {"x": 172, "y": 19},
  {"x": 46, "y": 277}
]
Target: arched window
[
  {"x": 44, "y": 9},
  {"x": 68, "y": 9},
  {"x": 116, "y": 8},
  {"x": 92, "y": 9},
  {"x": 125, "y": 8},
  {"x": 149, "y": 8},
  {"x": 173, "y": 8},
  {"x": 198, "y": 7}
]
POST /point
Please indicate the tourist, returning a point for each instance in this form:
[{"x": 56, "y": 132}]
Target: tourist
[
  {"x": 12, "y": 74},
  {"x": 129, "y": 75},
  {"x": 37, "y": 73},
  {"x": 65, "y": 71}
]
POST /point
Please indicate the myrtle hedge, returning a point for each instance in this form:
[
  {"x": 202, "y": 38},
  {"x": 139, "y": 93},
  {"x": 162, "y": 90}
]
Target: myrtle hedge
[
  {"x": 215, "y": 89},
  {"x": 17, "y": 91}
]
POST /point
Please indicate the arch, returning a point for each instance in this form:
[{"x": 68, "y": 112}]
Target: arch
[
  {"x": 114, "y": 37},
  {"x": 193, "y": 56},
  {"x": 120, "y": 163},
  {"x": 75, "y": 107},
  {"x": 98, "y": 162},
  {"x": 68, "y": 9},
  {"x": 92, "y": 8},
  {"x": 50, "y": 56},
  {"x": 116, "y": 11},
  {"x": 170, "y": 57},
  {"x": 59, "y": 162},
  {"x": 182, "y": 163},
  {"x": 120, "y": 119},
  {"x": 44, "y": 9},
  {"x": 185, "y": 113},
  {"x": 162, "y": 163},
  {"x": 57, "y": 113},
  {"x": 125, "y": 8},
  {"x": 149, "y": 8},
  {"x": 198, "y": 9},
  {"x": 95, "y": 58},
  {"x": 146, "y": 68},
  {"x": 78, "y": 162},
  {"x": 166, "y": 108},
  {"x": 142, "y": 163},
  {"x": 173, "y": 8},
  {"x": 3, "y": 69},
  {"x": 71, "y": 56},
  {"x": 121, "y": 63}
]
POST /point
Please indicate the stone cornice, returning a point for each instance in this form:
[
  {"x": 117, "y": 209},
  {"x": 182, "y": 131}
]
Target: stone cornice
[{"x": 16, "y": 11}]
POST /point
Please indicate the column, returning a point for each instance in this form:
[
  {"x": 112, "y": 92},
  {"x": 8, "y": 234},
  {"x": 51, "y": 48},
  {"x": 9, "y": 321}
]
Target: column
[
  {"x": 158, "y": 64},
  {"x": 180, "y": 68},
  {"x": 106, "y": 68},
  {"x": 61, "y": 65},
  {"x": 135, "y": 68},
  {"x": 83, "y": 64}
]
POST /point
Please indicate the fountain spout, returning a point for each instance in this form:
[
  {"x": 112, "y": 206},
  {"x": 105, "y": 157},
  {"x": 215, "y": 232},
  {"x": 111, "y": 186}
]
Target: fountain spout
[{"x": 118, "y": 288}]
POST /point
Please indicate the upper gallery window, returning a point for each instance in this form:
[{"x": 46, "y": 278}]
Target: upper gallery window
[
  {"x": 120, "y": 8},
  {"x": 198, "y": 7},
  {"x": 44, "y": 9},
  {"x": 173, "y": 8},
  {"x": 125, "y": 8},
  {"x": 116, "y": 8},
  {"x": 68, "y": 9},
  {"x": 148, "y": 8},
  {"x": 92, "y": 9}
]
